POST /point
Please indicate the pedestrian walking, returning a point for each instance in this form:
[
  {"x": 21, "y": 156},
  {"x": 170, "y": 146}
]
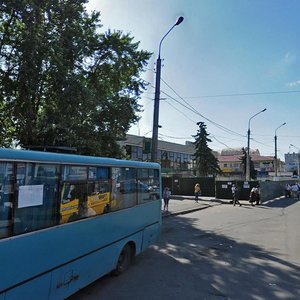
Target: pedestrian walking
[
  {"x": 166, "y": 197},
  {"x": 254, "y": 197},
  {"x": 295, "y": 189},
  {"x": 197, "y": 192},
  {"x": 257, "y": 194},
  {"x": 235, "y": 195},
  {"x": 287, "y": 190}
]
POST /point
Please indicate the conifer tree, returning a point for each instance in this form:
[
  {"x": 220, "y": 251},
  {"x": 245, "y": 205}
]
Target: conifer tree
[
  {"x": 243, "y": 159},
  {"x": 206, "y": 162}
]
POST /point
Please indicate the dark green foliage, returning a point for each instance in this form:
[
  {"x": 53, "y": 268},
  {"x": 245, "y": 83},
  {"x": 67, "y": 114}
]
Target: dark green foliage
[
  {"x": 62, "y": 82},
  {"x": 243, "y": 159},
  {"x": 206, "y": 162}
]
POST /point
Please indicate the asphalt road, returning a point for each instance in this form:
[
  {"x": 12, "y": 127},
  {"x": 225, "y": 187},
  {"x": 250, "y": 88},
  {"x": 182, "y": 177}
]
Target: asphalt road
[{"x": 222, "y": 252}]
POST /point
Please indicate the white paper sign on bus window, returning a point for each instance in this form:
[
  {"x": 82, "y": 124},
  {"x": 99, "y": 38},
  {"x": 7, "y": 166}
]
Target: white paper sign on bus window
[{"x": 30, "y": 195}]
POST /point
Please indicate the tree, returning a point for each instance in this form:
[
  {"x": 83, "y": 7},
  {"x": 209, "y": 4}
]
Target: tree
[
  {"x": 243, "y": 159},
  {"x": 206, "y": 162},
  {"x": 63, "y": 83}
]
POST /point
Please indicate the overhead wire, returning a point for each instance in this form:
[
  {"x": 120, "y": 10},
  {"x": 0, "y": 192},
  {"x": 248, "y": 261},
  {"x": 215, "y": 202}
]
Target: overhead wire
[
  {"x": 191, "y": 108},
  {"x": 214, "y": 137},
  {"x": 243, "y": 94}
]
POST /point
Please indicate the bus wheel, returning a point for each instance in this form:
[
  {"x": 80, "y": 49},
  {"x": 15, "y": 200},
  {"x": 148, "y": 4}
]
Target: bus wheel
[{"x": 124, "y": 260}]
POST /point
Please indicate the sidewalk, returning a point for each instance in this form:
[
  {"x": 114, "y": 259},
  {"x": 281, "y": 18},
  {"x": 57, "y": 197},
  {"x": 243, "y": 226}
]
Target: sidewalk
[{"x": 179, "y": 205}]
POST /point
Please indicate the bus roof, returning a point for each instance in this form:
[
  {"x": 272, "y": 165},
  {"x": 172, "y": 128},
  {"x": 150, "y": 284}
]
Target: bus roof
[{"x": 62, "y": 158}]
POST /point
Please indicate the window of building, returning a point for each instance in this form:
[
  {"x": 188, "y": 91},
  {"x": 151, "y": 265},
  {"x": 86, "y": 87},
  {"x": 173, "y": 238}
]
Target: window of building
[{"x": 136, "y": 153}]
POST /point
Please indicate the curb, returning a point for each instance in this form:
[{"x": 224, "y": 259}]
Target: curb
[{"x": 186, "y": 211}]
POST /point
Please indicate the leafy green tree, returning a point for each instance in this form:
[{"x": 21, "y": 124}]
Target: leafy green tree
[
  {"x": 206, "y": 162},
  {"x": 63, "y": 83},
  {"x": 243, "y": 159}
]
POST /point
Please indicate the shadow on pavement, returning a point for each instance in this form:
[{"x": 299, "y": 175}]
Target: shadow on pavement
[
  {"x": 282, "y": 202},
  {"x": 224, "y": 268},
  {"x": 190, "y": 263}
]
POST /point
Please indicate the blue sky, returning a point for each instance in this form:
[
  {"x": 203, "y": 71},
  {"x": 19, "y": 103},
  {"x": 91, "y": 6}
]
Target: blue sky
[{"x": 228, "y": 60}]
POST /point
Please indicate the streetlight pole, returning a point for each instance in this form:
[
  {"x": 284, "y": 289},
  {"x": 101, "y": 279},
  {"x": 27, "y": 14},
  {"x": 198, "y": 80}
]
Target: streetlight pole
[
  {"x": 298, "y": 159},
  {"x": 156, "y": 97},
  {"x": 248, "y": 146},
  {"x": 275, "y": 161}
]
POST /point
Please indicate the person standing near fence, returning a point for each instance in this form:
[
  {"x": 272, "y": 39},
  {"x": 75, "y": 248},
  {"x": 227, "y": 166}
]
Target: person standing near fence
[
  {"x": 197, "y": 192},
  {"x": 166, "y": 197}
]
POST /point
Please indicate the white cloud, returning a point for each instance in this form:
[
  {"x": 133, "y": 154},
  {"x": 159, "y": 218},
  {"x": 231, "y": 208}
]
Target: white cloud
[
  {"x": 289, "y": 58},
  {"x": 293, "y": 83}
]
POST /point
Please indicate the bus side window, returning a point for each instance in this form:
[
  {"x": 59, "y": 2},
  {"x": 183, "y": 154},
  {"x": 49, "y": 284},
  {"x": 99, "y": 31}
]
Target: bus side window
[
  {"x": 6, "y": 199},
  {"x": 85, "y": 192},
  {"x": 73, "y": 195},
  {"x": 149, "y": 185},
  {"x": 124, "y": 188},
  {"x": 36, "y": 197},
  {"x": 98, "y": 197}
]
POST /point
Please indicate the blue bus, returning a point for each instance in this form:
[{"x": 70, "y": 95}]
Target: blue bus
[{"x": 66, "y": 220}]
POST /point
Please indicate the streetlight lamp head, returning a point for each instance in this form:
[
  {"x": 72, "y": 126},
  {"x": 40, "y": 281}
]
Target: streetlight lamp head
[
  {"x": 180, "y": 19},
  {"x": 264, "y": 109}
]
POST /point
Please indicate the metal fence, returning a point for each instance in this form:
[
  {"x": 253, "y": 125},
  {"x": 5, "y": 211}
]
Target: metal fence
[
  {"x": 185, "y": 186},
  {"x": 222, "y": 189}
]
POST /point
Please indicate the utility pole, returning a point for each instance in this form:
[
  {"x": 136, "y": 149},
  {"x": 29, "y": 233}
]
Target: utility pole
[
  {"x": 248, "y": 146},
  {"x": 156, "y": 99},
  {"x": 275, "y": 161}
]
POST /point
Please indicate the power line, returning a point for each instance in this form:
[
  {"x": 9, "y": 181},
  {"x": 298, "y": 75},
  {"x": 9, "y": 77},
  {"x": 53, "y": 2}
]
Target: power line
[
  {"x": 174, "y": 137},
  {"x": 219, "y": 141},
  {"x": 266, "y": 145},
  {"x": 243, "y": 94},
  {"x": 191, "y": 108},
  {"x": 180, "y": 112}
]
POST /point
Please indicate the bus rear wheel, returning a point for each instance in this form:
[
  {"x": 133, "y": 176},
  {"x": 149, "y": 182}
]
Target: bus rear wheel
[{"x": 124, "y": 260}]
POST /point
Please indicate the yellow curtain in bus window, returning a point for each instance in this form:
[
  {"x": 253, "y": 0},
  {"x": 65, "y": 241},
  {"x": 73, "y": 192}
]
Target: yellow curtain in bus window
[{"x": 30, "y": 195}]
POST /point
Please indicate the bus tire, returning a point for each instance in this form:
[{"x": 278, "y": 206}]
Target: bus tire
[{"x": 124, "y": 260}]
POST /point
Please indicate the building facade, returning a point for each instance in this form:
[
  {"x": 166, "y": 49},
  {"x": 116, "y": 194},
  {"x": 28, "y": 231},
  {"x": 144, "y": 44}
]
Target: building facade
[
  {"x": 231, "y": 165},
  {"x": 174, "y": 158},
  {"x": 292, "y": 162},
  {"x": 177, "y": 159}
]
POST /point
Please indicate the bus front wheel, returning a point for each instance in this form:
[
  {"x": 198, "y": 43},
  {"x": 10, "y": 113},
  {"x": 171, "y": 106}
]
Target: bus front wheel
[{"x": 124, "y": 260}]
